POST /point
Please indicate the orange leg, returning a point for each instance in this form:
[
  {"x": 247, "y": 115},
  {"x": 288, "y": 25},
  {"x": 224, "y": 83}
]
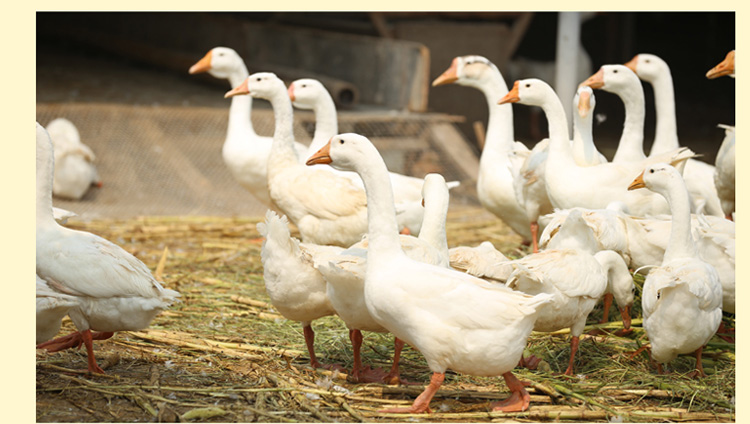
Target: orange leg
[
  {"x": 356, "y": 338},
  {"x": 519, "y": 399},
  {"x": 422, "y": 402},
  {"x": 71, "y": 340},
  {"x": 729, "y": 217},
  {"x": 310, "y": 342},
  {"x": 88, "y": 342},
  {"x": 698, "y": 365},
  {"x": 607, "y": 303},
  {"x": 393, "y": 376},
  {"x": 535, "y": 237},
  {"x": 573, "y": 350}
]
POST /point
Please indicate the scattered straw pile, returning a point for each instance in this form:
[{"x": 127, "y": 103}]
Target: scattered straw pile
[{"x": 225, "y": 355}]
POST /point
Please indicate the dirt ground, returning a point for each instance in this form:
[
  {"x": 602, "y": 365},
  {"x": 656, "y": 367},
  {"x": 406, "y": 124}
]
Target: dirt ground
[{"x": 223, "y": 354}]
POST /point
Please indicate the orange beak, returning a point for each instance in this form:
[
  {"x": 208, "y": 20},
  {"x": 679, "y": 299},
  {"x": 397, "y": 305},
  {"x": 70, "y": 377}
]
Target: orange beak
[
  {"x": 584, "y": 104},
  {"x": 202, "y": 65},
  {"x": 726, "y": 67},
  {"x": 637, "y": 182},
  {"x": 240, "y": 89},
  {"x": 512, "y": 96},
  {"x": 595, "y": 81},
  {"x": 321, "y": 156},
  {"x": 633, "y": 63},
  {"x": 625, "y": 313},
  {"x": 449, "y": 76},
  {"x": 291, "y": 92}
]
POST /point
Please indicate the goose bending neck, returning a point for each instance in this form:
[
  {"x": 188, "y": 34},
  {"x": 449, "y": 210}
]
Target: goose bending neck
[
  {"x": 558, "y": 124},
  {"x": 240, "y": 108},
  {"x": 681, "y": 244},
  {"x": 665, "y": 138},
  {"x": 630, "y": 148}
]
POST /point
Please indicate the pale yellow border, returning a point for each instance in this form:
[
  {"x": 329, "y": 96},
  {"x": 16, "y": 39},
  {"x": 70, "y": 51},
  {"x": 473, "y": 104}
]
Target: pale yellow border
[{"x": 17, "y": 170}]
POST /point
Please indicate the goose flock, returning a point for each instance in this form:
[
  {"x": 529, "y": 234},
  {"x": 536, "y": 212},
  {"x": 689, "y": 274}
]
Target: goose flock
[{"x": 374, "y": 249}]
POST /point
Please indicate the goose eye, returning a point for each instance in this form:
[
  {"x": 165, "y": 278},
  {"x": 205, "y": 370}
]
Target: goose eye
[
  {"x": 341, "y": 141},
  {"x": 614, "y": 71},
  {"x": 658, "y": 295},
  {"x": 651, "y": 171},
  {"x": 259, "y": 79},
  {"x": 528, "y": 85}
]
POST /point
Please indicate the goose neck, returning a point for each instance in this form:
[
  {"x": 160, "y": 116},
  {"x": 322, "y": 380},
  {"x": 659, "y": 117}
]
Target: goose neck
[
  {"x": 630, "y": 147},
  {"x": 283, "y": 134},
  {"x": 681, "y": 244},
  {"x": 499, "y": 137},
  {"x": 558, "y": 124},
  {"x": 326, "y": 123},
  {"x": 433, "y": 228},
  {"x": 382, "y": 227},
  {"x": 583, "y": 141},
  {"x": 665, "y": 138},
  {"x": 240, "y": 109},
  {"x": 44, "y": 176}
]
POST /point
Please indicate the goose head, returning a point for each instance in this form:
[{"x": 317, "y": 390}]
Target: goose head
[
  {"x": 468, "y": 70},
  {"x": 305, "y": 92},
  {"x": 584, "y": 101},
  {"x": 648, "y": 67},
  {"x": 220, "y": 62},
  {"x": 726, "y": 67},
  {"x": 613, "y": 78},
  {"x": 434, "y": 187},
  {"x": 345, "y": 152},
  {"x": 530, "y": 91},
  {"x": 262, "y": 85},
  {"x": 656, "y": 177}
]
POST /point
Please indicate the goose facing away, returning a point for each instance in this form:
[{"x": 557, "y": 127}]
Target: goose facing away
[
  {"x": 114, "y": 290},
  {"x": 455, "y": 320},
  {"x": 682, "y": 298},
  {"x": 75, "y": 171}
]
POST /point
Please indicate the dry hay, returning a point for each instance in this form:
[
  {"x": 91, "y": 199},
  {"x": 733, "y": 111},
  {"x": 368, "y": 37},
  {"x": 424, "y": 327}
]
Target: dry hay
[{"x": 225, "y": 355}]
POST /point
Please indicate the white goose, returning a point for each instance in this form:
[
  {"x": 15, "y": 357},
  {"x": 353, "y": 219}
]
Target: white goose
[
  {"x": 698, "y": 175},
  {"x": 310, "y": 94},
  {"x": 326, "y": 208},
  {"x": 114, "y": 290},
  {"x": 75, "y": 172},
  {"x": 622, "y": 81},
  {"x": 345, "y": 275},
  {"x": 296, "y": 289},
  {"x": 455, "y": 320},
  {"x": 584, "y": 149},
  {"x": 495, "y": 181},
  {"x": 682, "y": 298},
  {"x": 724, "y": 176},
  {"x": 244, "y": 151},
  {"x": 483, "y": 261},
  {"x": 51, "y": 308},
  {"x": 577, "y": 279},
  {"x": 570, "y": 185}
]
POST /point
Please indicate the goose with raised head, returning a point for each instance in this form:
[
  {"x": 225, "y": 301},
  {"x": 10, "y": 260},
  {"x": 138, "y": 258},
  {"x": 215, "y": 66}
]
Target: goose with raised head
[
  {"x": 244, "y": 151},
  {"x": 682, "y": 298},
  {"x": 495, "y": 181},
  {"x": 584, "y": 149},
  {"x": 75, "y": 171},
  {"x": 345, "y": 275},
  {"x": 311, "y": 94},
  {"x": 114, "y": 290},
  {"x": 455, "y": 320},
  {"x": 570, "y": 185},
  {"x": 577, "y": 279},
  {"x": 697, "y": 174},
  {"x": 326, "y": 208}
]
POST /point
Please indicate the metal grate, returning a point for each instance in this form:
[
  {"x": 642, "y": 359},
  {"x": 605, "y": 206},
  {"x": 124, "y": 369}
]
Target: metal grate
[{"x": 166, "y": 160}]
